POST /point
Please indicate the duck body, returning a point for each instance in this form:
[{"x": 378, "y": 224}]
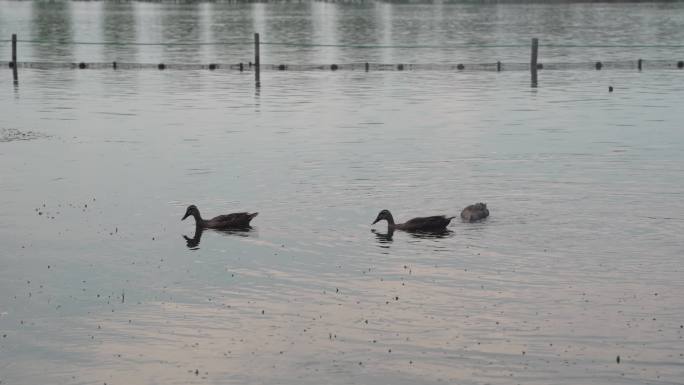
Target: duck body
[
  {"x": 475, "y": 212},
  {"x": 433, "y": 223},
  {"x": 437, "y": 222},
  {"x": 227, "y": 221}
]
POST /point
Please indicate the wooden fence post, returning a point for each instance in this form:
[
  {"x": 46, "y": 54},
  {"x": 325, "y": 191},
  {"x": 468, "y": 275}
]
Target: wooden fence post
[
  {"x": 14, "y": 58},
  {"x": 257, "y": 75},
  {"x": 533, "y": 61}
]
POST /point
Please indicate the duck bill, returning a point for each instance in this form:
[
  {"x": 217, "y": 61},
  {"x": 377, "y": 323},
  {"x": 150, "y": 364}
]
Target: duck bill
[{"x": 185, "y": 216}]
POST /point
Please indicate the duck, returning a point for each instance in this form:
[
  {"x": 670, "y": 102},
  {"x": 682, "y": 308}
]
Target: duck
[
  {"x": 433, "y": 223},
  {"x": 228, "y": 221},
  {"x": 475, "y": 212}
]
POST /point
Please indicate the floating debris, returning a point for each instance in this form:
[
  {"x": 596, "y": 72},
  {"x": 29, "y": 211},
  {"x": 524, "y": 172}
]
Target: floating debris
[{"x": 12, "y": 134}]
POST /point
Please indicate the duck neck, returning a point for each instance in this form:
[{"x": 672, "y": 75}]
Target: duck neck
[
  {"x": 199, "y": 222},
  {"x": 390, "y": 222}
]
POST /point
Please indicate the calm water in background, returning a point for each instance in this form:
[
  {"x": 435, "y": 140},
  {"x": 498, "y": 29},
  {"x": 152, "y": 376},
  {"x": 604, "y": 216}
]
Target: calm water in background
[{"x": 581, "y": 260}]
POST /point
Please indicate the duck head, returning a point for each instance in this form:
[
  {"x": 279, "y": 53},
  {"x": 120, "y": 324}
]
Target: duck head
[
  {"x": 192, "y": 210},
  {"x": 384, "y": 214}
]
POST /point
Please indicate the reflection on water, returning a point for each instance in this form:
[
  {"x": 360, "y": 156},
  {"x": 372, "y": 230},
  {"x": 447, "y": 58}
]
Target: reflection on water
[
  {"x": 119, "y": 26},
  {"x": 580, "y": 264},
  {"x": 52, "y": 22},
  {"x": 383, "y": 238},
  {"x": 432, "y": 234},
  {"x": 193, "y": 243},
  {"x": 387, "y": 237},
  {"x": 347, "y": 25}
]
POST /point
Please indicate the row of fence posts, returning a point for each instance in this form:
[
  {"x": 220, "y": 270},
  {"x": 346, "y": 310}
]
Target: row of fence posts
[
  {"x": 534, "y": 65},
  {"x": 257, "y": 62},
  {"x": 257, "y": 59}
]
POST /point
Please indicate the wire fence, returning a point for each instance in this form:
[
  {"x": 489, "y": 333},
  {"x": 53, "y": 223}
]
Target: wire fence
[
  {"x": 365, "y": 66},
  {"x": 368, "y": 46},
  {"x": 257, "y": 66}
]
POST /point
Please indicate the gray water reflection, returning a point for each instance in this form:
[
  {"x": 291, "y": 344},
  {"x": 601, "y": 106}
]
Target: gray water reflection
[
  {"x": 579, "y": 262},
  {"x": 52, "y": 22},
  {"x": 367, "y": 23},
  {"x": 193, "y": 243},
  {"x": 119, "y": 26}
]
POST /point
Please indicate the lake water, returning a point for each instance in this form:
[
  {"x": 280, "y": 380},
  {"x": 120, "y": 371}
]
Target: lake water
[{"x": 581, "y": 260}]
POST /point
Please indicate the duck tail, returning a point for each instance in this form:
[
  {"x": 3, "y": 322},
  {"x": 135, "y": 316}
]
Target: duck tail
[{"x": 251, "y": 216}]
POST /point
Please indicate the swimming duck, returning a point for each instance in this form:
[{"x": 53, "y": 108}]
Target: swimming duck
[
  {"x": 475, "y": 212},
  {"x": 434, "y": 223},
  {"x": 228, "y": 221}
]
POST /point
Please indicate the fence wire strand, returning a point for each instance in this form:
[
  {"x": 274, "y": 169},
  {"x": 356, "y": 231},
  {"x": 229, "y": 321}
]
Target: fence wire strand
[
  {"x": 332, "y": 45},
  {"x": 497, "y": 66}
]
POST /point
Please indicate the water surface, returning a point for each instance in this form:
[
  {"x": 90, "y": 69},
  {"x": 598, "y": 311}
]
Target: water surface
[{"x": 580, "y": 261}]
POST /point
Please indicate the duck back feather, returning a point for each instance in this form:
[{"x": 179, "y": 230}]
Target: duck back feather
[{"x": 437, "y": 222}]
